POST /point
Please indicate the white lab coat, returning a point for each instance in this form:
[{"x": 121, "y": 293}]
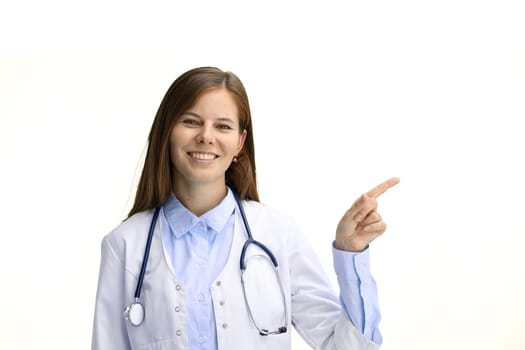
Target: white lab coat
[{"x": 315, "y": 310}]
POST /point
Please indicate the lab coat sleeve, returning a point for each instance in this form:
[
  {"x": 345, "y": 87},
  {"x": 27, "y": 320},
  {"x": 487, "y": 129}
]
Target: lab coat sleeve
[
  {"x": 316, "y": 311},
  {"x": 109, "y": 328}
]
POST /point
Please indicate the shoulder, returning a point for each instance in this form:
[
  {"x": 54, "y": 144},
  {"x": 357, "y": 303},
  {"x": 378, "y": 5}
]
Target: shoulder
[
  {"x": 270, "y": 220},
  {"x": 130, "y": 232},
  {"x": 260, "y": 211}
]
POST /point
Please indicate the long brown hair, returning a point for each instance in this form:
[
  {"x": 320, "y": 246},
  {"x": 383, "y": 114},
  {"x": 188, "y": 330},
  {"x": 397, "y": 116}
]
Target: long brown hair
[{"x": 156, "y": 181}]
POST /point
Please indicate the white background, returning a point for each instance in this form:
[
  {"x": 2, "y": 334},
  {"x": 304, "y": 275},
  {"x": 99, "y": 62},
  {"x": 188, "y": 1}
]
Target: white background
[{"x": 344, "y": 95}]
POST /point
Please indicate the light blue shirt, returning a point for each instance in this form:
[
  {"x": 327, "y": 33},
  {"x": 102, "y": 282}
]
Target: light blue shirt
[
  {"x": 198, "y": 248},
  {"x": 358, "y": 292}
]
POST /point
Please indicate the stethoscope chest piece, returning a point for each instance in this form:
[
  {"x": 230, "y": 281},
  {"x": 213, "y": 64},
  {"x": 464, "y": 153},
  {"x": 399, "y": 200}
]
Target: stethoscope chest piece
[{"x": 135, "y": 313}]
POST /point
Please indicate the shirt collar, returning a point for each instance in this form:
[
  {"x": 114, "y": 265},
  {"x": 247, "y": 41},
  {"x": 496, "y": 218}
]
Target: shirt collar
[{"x": 181, "y": 220}]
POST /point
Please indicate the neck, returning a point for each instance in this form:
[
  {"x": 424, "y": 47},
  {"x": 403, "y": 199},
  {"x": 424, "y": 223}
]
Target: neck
[{"x": 200, "y": 198}]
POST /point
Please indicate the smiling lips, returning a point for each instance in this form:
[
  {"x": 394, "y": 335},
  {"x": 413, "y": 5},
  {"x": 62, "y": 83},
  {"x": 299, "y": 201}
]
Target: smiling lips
[{"x": 202, "y": 156}]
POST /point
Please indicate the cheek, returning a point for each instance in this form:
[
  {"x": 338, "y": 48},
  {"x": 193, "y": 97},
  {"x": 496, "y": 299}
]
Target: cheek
[
  {"x": 173, "y": 147},
  {"x": 233, "y": 145}
]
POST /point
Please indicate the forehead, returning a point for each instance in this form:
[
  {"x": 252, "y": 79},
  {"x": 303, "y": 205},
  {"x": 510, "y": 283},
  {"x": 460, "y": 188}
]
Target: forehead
[{"x": 215, "y": 103}]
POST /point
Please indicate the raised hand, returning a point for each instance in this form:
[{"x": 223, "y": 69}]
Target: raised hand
[{"x": 361, "y": 224}]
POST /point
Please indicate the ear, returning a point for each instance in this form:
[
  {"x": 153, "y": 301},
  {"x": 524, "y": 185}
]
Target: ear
[{"x": 241, "y": 141}]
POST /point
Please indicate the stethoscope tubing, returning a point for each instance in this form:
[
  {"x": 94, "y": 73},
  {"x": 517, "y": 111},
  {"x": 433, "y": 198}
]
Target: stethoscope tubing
[
  {"x": 250, "y": 239},
  {"x": 146, "y": 253}
]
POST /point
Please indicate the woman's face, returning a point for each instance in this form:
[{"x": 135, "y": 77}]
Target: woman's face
[{"x": 205, "y": 139}]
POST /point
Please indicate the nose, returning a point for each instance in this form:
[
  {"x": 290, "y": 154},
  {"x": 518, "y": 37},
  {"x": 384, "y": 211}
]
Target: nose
[{"x": 205, "y": 135}]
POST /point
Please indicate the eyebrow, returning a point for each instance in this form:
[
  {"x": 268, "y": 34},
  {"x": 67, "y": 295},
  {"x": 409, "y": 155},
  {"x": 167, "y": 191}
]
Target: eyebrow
[{"x": 219, "y": 119}]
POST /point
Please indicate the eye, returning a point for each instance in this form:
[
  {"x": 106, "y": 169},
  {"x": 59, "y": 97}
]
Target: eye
[
  {"x": 189, "y": 121},
  {"x": 224, "y": 127}
]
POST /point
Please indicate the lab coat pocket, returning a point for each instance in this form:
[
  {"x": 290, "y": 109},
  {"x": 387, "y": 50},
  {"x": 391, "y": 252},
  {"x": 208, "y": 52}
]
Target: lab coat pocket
[
  {"x": 142, "y": 337},
  {"x": 144, "y": 340},
  {"x": 166, "y": 344}
]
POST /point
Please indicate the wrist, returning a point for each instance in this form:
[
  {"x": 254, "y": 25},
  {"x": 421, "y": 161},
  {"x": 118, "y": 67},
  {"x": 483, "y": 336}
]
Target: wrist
[{"x": 350, "y": 246}]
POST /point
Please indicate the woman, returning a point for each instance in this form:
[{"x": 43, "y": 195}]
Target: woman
[{"x": 198, "y": 198}]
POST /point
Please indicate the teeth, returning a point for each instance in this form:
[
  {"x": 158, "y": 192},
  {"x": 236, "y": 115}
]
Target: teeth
[{"x": 203, "y": 156}]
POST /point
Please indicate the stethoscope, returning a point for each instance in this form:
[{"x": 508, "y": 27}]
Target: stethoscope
[{"x": 135, "y": 312}]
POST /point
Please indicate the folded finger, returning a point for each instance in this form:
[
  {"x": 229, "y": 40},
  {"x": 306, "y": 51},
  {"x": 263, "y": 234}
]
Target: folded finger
[
  {"x": 363, "y": 206},
  {"x": 375, "y": 228},
  {"x": 371, "y": 218}
]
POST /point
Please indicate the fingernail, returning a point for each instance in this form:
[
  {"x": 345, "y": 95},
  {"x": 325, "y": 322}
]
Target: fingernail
[{"x": 359, "y": 217}]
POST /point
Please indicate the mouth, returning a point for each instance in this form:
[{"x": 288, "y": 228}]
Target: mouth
[{"x": 203, "y": 156}]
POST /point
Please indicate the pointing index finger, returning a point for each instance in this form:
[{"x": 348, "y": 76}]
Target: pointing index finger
[{"x": 382, "y": 188}]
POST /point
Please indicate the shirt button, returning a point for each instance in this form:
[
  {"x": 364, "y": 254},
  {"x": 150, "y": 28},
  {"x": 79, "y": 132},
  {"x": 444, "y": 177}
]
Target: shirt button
[
  {"x": 201, "y": 340},
  {"x": 177, "y": 309},
  {"x": 221, "y": 303},
  {"x": 200, "y": 297},
  {"x": 178, "y": 332},
  {"x": 178, "y": 287},
  {"x": 224, "y": 325},
  {"x": 218, "y": 283}
]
